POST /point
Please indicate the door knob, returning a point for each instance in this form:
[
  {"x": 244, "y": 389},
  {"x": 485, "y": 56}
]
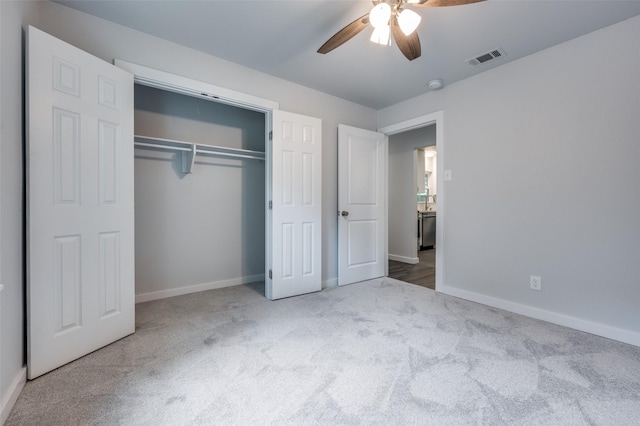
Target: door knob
[{"x": 345, "y": 213}]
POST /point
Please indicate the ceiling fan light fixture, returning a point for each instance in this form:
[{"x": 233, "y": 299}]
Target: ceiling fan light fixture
[
  {"x": 380, "y": 15},
  {"x": 382, "y": 35},
  {"x": 408, "y": 20},
  {"x": 389, "y": 15}
]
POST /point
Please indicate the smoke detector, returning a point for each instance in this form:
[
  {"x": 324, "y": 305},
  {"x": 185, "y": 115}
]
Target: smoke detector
[
  {"x": 485, "y": 57},
  {"x": 435, "y": 84}
]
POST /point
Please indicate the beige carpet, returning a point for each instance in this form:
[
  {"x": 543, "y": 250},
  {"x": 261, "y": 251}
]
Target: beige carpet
[{"x": 375, "y": 353}]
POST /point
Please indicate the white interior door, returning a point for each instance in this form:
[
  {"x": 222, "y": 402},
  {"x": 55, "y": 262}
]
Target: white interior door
[
  {"x": 80, "y": 203},
  {"x": 296, "y": 216},
  {"x": 362, "y": 210}
]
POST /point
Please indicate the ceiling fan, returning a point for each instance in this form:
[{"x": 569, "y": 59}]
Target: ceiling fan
[{"x": 391, "y": 16}]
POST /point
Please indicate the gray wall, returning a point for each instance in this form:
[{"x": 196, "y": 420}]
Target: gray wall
[
  {"x": 556, "y": 138},
  {"x": 1, "y": 286},
  {"x": 402, "y": 189},
  {"x": 206, "y": 227},
  {"x": 12, "y": 16},
  {"x": 108, "y": 41}
]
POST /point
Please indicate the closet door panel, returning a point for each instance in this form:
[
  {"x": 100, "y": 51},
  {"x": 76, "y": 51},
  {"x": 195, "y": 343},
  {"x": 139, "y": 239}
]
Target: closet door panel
[
  {"x": 80, "y": 219},
  {"x": 297, "y": 211}
]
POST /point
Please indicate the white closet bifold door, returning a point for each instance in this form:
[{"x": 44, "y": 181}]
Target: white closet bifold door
[
  {"x": 80, "y": 203},
  {"x": 297, "y": 208}
]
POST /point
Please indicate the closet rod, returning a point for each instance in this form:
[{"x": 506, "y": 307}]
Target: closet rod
[
  {"x": 159, "y": 143},
  {"x": 153, "y": 145}
]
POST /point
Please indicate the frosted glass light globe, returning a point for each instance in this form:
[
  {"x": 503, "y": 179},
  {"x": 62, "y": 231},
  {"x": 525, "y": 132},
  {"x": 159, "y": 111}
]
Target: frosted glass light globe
[
  {"x": 408, "y": 20},
  {"x": 380, "y": 15},
  {"x": 381, "y": 35}
]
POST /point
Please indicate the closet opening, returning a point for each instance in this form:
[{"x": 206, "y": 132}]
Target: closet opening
[{"x": 199, "y": 219}]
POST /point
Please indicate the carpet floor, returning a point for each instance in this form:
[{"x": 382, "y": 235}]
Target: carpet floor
[{"x": 380, "y": 352}]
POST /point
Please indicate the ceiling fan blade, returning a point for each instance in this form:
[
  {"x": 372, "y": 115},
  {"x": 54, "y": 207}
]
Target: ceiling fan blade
[
  {"x": 409, "y": 45},
  {"x": 345, "y": 34},
  {"x": 441, "y": 3}
]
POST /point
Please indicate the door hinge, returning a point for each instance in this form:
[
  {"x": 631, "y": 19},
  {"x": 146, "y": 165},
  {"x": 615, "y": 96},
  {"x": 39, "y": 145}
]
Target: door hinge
[
  {"x": 270, "y": 134},
  {"x": 270, "y": 204},
  {"x": 270, "y": 274}
]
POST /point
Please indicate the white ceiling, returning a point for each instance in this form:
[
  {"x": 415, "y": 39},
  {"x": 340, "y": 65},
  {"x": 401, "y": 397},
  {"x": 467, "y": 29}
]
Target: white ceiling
[{"x": 281, "y": 37}]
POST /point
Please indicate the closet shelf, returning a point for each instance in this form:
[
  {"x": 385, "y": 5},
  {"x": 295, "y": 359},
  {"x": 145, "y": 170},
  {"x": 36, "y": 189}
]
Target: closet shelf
[{"x": 190, "y": 150}]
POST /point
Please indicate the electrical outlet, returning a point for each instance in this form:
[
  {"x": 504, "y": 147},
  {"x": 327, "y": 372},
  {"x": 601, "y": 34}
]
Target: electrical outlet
[{"x": 535, "y": 282}]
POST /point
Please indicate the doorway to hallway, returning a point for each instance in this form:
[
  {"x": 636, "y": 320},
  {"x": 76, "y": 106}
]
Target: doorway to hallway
[
  {"x": 406, "y": 261},
  {"x": 422, "y": 273}
]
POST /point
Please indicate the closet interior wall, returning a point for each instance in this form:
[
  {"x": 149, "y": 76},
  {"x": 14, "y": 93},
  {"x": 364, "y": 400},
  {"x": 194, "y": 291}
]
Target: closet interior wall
[{"x": 205, "y": 229}]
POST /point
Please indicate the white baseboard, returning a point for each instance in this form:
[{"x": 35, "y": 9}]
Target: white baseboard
[
  {"x": 12, "y": 396},
  {"x": 178, "y": 291},
  {"x": 614, "y": 333},
  {"x": 403, "y": 259}
]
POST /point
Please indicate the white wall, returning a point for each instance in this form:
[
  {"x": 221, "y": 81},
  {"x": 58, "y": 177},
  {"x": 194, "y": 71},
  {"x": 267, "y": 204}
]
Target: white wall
[
  {"x": 432, "y": 166},
  {"x": 402, "y": 191},
  {"x": 108, "y": 41},
  {"x": 556, "y": 137}
]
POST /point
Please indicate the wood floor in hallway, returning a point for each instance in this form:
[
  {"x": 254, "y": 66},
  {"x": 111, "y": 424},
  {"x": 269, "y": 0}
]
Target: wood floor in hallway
[{"x": 422, "y": 273}]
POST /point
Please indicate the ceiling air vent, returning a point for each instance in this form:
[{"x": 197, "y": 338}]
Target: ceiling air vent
[{"x": 485, "y": 57}]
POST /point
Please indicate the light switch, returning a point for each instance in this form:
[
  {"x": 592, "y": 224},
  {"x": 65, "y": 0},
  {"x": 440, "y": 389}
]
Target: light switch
[{"x": 448, "y": 175}]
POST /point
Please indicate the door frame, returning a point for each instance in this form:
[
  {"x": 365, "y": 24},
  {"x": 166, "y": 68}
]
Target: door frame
[
  {"x": 436, "y": 118},
  {"x": 188, "y": 86}
]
